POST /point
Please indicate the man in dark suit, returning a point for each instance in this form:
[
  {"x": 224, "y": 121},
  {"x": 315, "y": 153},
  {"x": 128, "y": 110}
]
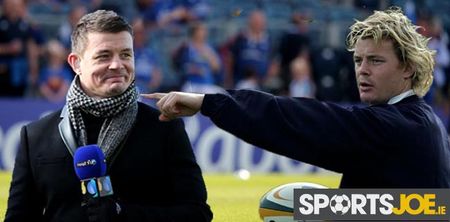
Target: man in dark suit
[
  {"x": 151, "y": 164},
  {"x": 396, "y": 142}
]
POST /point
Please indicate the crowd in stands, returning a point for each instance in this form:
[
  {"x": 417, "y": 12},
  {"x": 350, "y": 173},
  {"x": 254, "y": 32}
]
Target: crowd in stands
[{"x": 285, "y": 47}]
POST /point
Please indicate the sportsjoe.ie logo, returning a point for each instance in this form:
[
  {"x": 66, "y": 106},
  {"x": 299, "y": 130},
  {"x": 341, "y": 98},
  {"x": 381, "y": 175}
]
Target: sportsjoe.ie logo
[{"x": 372, "y": 204}]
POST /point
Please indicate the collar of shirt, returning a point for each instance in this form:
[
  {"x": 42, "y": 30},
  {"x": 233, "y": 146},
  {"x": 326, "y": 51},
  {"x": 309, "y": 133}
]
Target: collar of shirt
[{"x": 400, "y": 97}]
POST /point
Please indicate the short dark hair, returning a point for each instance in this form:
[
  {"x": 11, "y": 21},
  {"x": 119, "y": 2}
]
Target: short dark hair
[{"x": 98, "y": 21}]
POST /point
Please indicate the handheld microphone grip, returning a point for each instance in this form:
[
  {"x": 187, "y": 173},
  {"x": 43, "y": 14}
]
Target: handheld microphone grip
[
  {"x": 97, "y": 187},
  {"x": 90, "y": 167}
]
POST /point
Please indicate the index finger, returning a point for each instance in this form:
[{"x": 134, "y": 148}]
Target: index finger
[{"x": 156, "y": 96}]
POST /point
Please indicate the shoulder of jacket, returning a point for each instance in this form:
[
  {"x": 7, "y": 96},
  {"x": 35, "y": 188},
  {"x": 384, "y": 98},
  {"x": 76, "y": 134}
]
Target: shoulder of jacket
[
  {"x": 50, "y": 118},
  {"x": 147, "y": 113},
  {"x": 147, "y": 109}
]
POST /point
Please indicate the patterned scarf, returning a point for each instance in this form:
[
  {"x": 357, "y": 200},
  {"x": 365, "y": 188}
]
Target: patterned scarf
[{"x": 120, "y": 113}]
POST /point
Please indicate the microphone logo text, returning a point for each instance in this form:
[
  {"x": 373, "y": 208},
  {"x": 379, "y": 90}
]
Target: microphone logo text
[{"x": 86, "y": 163}]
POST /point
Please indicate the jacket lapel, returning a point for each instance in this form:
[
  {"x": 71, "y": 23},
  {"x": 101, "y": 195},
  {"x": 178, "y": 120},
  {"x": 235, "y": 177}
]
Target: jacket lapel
[{"x": 65, "y": 130}]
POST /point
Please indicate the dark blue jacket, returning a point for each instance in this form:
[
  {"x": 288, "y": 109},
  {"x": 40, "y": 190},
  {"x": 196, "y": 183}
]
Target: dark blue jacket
[
  {"x": 154, "y": 175},
  {"x": 403, "y": 145}
]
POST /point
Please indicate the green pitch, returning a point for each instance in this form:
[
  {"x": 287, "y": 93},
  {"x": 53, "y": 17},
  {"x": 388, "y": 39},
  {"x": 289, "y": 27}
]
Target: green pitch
[
  {"x": 5, "y": 179},
  {"x": 231, "y": 198}
]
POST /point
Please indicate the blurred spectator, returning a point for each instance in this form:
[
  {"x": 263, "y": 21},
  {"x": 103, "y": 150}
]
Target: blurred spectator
[
  {"x": 368, "y": 6},
  {"x": 432, "y": 27},
  {"x": 347, "y": 78},
  {"x": 326, "y": 63},
  {"x": 19, "y": 49},
  {"x": 150, "y": 10},
  {"x": 89, "y": 4},
  {"x": 293, "y": 43},
  {"x": 250, "y": 80},
  {"x": 249, "y": 56},
  {"x": 185, "y": 11},
  {"x": 410, "y": 10},
  {"x": 48, "y": 6},
  {"x": 439, "y": 41},
  {"x": 164, "y": 12},
  {"x": 55, "y": 77},
  {"x": 194, "y": 10},
  {"x": 334, "y": 75},
  {"x": 65, "y": 30},
  {"x": 147, "y": 69},
  {"x": 198, "y": 62},
  {"x": 302, "y": 84}
]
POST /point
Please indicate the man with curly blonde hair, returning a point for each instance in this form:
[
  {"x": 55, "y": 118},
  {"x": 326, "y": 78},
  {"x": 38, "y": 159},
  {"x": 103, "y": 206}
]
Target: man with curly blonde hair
[
  {"x": 395, "y": 142},
  {"x": 393, "y": 30}
]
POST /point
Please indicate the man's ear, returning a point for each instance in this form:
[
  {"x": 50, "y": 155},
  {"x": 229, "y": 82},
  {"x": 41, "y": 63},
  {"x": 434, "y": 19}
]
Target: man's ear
[
  {"x": 408, "y": 72},
  {"x": 74, "y": 62}
]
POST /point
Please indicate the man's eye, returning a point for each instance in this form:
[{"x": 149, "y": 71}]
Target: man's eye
[
  {"x": 377, "y": 61},
  {"x": 102, "y": 56},
  {"x": 126, "y": 55}
]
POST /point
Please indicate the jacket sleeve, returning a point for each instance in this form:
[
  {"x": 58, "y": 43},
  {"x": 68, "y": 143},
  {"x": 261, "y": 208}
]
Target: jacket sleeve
[
  {"x": 319, "y": 133},
  {"x": 188, "y": 197},
  {"x": 23, "y": 201}
]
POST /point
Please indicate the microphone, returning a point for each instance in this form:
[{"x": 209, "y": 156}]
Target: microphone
[{"x": 90, "y": 167}]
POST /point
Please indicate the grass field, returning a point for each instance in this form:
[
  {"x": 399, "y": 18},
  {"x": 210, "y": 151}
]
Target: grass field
[
  {"x": 230, "y": 198},
  {"x": 5, "y": 178}
]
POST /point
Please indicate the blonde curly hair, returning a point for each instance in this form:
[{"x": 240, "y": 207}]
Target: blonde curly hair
[{"x": 410, "y": 46}]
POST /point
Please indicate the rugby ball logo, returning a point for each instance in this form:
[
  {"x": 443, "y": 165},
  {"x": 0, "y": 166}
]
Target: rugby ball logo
[{"x": 277, "y": 204}]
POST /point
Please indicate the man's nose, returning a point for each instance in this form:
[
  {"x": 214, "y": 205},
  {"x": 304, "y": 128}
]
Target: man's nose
[
  {"x": 116, "y": 63},
  {"x": 363, "y": 68}
]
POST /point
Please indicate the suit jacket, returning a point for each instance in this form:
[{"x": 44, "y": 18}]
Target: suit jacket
[
  {"x": 154, "y": 174},
  {"x": 403, "y": 145}
]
